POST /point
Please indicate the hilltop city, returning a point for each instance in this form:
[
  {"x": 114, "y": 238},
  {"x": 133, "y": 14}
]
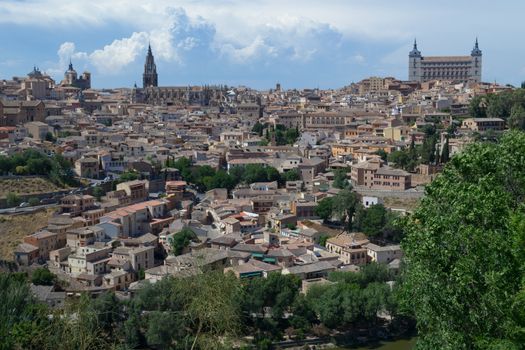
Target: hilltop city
[{"x": 132, "y": 186}]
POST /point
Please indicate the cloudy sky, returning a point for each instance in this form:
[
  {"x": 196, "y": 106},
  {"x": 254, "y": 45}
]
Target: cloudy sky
[{"x": 299, "y": 43}]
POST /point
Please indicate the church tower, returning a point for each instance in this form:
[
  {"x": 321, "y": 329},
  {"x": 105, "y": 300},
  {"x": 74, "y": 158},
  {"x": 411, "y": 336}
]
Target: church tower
[
  {"x": 149, "y": 78},
  {"x": 475, "y": 69},
  {"x": 414, "y": 64}
]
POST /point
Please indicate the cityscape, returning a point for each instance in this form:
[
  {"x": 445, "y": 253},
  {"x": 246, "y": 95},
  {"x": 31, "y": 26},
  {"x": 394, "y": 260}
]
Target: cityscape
[{"x": 386, "y": 212}]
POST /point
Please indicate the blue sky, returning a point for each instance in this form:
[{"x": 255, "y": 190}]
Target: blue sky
[{"x": 299, "y": 43}]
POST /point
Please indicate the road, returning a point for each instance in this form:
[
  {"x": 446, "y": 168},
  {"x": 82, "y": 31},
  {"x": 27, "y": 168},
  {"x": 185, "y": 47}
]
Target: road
[{"x": 18, "y": 210}]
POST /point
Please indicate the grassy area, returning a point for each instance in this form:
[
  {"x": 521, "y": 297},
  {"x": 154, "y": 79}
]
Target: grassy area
[
  {"x": 29, "y": 185},
  {"x": 401, "y": 203},
  {"x": 14, "y": 228}
]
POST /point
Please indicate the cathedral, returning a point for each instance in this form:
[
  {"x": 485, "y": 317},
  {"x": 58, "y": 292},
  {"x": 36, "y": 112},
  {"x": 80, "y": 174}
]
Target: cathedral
[
  {"x": 150, "y": 78},
  {"x": 465, "y": 69},
  {"x": 151, "y": 93}
]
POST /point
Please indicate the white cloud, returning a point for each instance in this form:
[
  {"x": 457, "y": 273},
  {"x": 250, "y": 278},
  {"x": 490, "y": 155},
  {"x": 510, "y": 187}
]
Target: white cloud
[
  {"x": 243, "y": 30},
  {"x": 240, "y": 54},
  {"x": 113, "y": 57}
]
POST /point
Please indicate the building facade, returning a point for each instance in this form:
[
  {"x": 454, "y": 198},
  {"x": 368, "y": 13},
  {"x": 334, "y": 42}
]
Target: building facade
[
  {"x": 456, "y": 68},
  {"x": 153, "y": 94}
]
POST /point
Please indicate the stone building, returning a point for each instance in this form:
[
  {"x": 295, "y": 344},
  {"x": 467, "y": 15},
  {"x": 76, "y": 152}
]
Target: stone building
[
  {"x": 456, "y": 68},
  {"x": 71, "y": 79},
  {"x": 153, "y": 94}
]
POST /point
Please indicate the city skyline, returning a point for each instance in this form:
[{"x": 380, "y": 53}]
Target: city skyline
[{"x": 297, "y": 44}]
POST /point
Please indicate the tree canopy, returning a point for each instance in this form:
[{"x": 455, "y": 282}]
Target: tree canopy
[
  {"x": 464, "y": 246},
  {"x": 181, "y": 240}
]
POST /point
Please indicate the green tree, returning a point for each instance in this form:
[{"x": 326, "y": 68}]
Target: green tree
[
  {"x": 464, "y": 251},
  {"x": 272, "y": 174},
  {"x": 340, "y": 179},
  {"x": 372, "y": 220},
  {"x": 163, "y": 329},
  {"x": 33, "y": 201},
  {"x": 181, "y": 240},
  {"x": 517, "y": 117},
  {"x": 325, "y": 208},
  {"x": 23, "y": 324},
  {"x": 12, "y": 199},
  {"x": 98, "y": 192},
  {"x": 258, "y": 128},
  {"x": 254, "y": 173},
  {"x": 345, "y": 204},
  {"x": 322, "y": 239},
  {"x": 291, "y": 135},
  {"x": 42, "y": 276},
  {"x": 381, "y": 153},
  {"x": 50, "y": 137},
  {"x": 129, "y": 175},
  {"x": 478, "y": 107},
  {"x": 291, "y": 175}
]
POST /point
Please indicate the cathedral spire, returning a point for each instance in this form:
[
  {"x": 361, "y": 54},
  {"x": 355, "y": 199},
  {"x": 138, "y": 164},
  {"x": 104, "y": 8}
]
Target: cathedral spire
[
  {"x": 415, "y": 44},
  {"x": 149, "y": 78}
]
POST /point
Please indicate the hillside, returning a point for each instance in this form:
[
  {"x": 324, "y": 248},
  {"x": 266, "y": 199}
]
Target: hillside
[{"x": 14, "y": 227}]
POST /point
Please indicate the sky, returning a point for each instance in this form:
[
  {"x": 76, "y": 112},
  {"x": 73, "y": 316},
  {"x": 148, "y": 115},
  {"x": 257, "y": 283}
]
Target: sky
[{"x": 257, "y": 43}]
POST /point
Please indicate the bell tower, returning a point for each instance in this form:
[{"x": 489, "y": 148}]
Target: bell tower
[
  {"x": 475, "y": 69},
  {"x": 414, "y": 64},
  {"x": 149, "y": 78}
]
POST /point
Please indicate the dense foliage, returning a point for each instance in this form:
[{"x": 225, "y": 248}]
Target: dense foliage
[
  {"x": 341, "y": 178},
  {"x": 206, "y": 178},
  {"x": 210, "y": 310},
  {"x": 42, "y": 276},
  {"x": 181, "y": 240},
  {"x": 426, "y": 153},
  {"x": 282, "y": 135},
  {"x": 465, "y": 255},
  {"x": 507, "y": 105},
  {"x": 378, "y": 222},
  {"x": 33, "y": 162}
]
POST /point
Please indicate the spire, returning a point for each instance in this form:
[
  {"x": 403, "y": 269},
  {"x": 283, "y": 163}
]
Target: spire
[
  {"x": 70, "y": 64},
  {"x": 476, "y": 51},
  {"x": 415, "y": 52},
  {"x": 149, "y": 49}
]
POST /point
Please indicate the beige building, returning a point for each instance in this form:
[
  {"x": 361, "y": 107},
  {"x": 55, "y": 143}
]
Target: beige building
[
  {"x": 75, "y": 205},
  {"x": 383, "y": 255},
  {"x": 137, "y": 190},
  {"x": 484, "y": 124},
  {"x": 140, "y": 258},
  {"x": 350, "y": 248},
  {"x": 454, "y": 68},
  {"x": 397, "y": 133},
  {"x": 88, "y": 168},
  {"x": 375, "y": 175},
  {"x": 37, "y": 130}
]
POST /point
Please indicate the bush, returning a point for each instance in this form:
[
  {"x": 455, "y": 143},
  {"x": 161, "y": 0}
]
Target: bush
[
  {"x": 33, "y": 201},
  {"x": 43, "y": 277},
  {"x": 12, "y": 199}
]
